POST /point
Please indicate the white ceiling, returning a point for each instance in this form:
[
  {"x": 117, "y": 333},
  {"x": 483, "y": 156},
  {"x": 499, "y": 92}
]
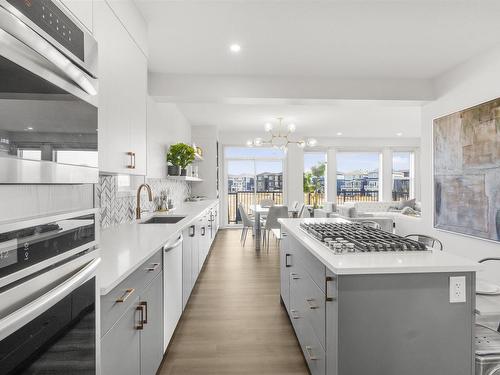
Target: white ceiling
[
  {"x": 310, "y": 40},
  {"x": 352, "y": 119},
  {"x": 341, "y": 38}
]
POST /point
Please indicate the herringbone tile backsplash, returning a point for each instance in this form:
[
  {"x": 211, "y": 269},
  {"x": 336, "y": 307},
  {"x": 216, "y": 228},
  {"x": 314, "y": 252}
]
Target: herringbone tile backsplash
[{"x": 117, "y": 207}]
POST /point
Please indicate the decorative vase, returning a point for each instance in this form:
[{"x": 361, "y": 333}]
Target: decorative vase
[
  {"x": 173, "y": 170},
  {"x": 183, "y": 172}
]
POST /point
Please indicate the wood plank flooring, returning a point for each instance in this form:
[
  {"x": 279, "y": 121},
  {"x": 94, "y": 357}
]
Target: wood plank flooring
[{"x": 234, "y": 322}]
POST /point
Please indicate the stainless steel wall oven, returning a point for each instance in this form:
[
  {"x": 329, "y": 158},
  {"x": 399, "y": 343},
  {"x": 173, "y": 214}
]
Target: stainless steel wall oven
[
  {"x": 48, "y": 293},
  {"x": 48, "y": 95}
]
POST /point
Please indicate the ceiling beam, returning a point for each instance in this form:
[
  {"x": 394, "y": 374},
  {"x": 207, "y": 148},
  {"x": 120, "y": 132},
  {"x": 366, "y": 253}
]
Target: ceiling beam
[{"x": 283, "y": 90}]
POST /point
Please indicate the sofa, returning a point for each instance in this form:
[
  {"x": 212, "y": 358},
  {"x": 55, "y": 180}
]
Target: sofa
[{"x": 384, "y": 213}]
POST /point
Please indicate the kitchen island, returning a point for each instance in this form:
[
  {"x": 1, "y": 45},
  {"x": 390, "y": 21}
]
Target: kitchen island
[{"x": 380, "y": 313}]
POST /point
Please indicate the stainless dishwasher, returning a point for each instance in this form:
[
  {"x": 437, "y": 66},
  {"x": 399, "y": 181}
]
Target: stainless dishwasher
[{"x": 172, "y": 287}]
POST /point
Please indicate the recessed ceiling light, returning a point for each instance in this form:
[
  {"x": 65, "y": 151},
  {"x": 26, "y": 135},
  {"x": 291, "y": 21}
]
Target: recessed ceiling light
[
  {"x": 29, "y": 128},
  {"x": 399, "y": 134},
  {"x": 235, "y": 48},
  {"x": 339, "y": 134}
]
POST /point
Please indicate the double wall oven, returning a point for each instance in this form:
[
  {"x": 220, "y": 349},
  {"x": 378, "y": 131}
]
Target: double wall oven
[
  {"x": 48, "y": 95},
  {"x": 49, "y": 299}
]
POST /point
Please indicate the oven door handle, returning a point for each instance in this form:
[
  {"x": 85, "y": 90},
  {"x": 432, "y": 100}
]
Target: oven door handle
[{"x": 11, "y": 323}]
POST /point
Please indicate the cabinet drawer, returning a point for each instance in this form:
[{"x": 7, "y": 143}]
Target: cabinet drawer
[
  {"x": 313, "y": 300},
  {"x": 114, "y": 304},
  {"x": 311, "y": 347},
  {"x": 312, "y": 265}
]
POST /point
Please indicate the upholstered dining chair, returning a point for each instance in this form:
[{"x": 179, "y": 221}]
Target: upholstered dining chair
[
  {"x": 272, "y": 224},
  {"x": 426, "y": 240},
  {"x": 247, "y": 222}
]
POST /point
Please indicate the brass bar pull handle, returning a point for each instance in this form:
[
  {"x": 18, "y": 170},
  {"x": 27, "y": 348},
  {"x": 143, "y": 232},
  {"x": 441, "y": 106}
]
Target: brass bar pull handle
[
  {"x": 296, "y": 316},
  {"x": 125, "y": 295},
  {"x": 140, "y": 325},
  {"x": 132, "y": 160},
  {"x": 153, "y": 268},
  {"x": 328, "y": 296},
  {"x": 287, "y": 256},
  {"x": 145, "y": 317},
  {"x": 312, "y": 306},
  {"x": 309, "y": 351}
]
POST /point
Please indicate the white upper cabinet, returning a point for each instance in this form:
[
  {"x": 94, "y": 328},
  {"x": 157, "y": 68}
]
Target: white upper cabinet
[
  {"x": 81, "y": 9},
  {"x": 122, "y": 96}
]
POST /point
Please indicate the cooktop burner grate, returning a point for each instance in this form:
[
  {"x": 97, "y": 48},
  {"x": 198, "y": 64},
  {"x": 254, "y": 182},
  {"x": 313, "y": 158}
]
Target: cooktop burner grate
[{"x": 356, "y": 237}]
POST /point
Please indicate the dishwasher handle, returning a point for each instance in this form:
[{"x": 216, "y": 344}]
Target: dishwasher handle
[{"x": 169, "y": 246}]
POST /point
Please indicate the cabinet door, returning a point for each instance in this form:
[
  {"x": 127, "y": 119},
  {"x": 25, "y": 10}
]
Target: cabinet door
[
  {"x": 120, "y": 346},
  {"x": 331, "y": 306},
  {"x": 152, "y": 334},
  {"x": 122, "y": 95},
  {"x": 187, "y": 261},
  {"x": 285, "y": 268},
  {"x": 195, "y": 263}
]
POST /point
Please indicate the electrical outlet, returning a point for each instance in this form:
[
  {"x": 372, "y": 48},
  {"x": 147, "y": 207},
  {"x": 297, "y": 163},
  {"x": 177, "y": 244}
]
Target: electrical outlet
[{"x": 457, "y": 289}]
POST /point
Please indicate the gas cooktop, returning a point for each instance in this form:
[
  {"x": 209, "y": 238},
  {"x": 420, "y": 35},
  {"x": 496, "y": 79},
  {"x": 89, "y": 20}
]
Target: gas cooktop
[{"x": 355, "y": 237}]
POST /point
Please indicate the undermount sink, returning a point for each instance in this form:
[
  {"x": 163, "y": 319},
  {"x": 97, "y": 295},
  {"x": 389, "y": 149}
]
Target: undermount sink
[{"x": 164, "y": 220}]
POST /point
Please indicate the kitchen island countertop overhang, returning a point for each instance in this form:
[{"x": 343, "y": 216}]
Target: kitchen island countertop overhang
[{"x": 127, "y": 246}]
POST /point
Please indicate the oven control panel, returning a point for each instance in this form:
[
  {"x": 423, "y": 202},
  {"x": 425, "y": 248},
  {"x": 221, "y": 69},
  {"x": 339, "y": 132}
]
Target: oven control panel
[{"x": 51, "y": 19}]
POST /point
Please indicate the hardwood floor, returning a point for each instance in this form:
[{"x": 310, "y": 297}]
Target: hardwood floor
[{"x": 234, "y": 322}]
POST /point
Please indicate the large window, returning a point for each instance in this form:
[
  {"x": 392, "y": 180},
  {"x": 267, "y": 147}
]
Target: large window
[
  {"x": 314, "y": 181},
  {"x": 253, "y": 174},
  {"x": 29, "y": 154},
  {"x": 402, "y": 175},
  {"x": 358, "y": 177}
]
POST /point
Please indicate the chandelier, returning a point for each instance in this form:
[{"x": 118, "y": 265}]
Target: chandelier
[{"x": 280, "y": 137}]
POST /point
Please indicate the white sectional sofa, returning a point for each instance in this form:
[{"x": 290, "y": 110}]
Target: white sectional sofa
[{"x": 386, "y": 214}]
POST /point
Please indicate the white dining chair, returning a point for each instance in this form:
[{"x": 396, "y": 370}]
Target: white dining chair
[
  {"x": 267, "y": 203},
  {"x": 247, "y": 223},
  {"x": 272, "y": 225}
]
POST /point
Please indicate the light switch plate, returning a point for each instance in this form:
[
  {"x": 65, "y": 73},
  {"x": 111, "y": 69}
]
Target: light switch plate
[{"x": 457, "y": 289}]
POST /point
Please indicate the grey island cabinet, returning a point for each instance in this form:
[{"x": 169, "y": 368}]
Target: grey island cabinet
[{"x": 376, "y": 313}]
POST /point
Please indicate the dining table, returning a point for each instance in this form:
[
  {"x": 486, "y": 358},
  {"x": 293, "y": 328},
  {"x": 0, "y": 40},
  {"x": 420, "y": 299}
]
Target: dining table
[{"x": 258, "y": 211}]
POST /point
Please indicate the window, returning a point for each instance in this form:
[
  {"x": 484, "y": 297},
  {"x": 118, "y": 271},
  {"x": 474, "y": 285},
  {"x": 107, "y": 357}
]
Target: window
[
  {"x": 252, "y": 174},
  {"x": 314, "y": 181},
  {"x": 29, "y": 154},
  {"x": 77, "y": 157},
  {"x": 358, "y": 177},
  {"x": 402, "y": 175}
]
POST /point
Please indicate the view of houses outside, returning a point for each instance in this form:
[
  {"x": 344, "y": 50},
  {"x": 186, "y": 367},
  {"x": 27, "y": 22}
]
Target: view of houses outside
[
  {"x": 401, "y": 175},
  {"x": 357, "y": 176},
  {"x": 256, "y": 175}
]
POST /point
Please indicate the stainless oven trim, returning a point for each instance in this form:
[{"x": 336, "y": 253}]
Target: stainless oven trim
[
  {"x": 28, "y": 49},
  {"x": 11, "y": 323},
  {"x": 89, "y": 63},
  {"x": 48, "y": 262}
]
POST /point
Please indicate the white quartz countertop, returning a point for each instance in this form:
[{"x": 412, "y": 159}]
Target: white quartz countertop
[
  {"x": 376, "y": 263},
  {"x": 125, "y": 247}
]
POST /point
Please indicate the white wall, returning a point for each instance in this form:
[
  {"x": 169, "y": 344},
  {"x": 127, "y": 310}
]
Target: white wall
[
  {"x": 472, "y": 83},
  {"x": 166, "y": 125}
]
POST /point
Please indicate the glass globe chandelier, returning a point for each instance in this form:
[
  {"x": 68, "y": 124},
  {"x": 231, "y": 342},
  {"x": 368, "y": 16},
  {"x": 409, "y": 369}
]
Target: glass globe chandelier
[{"x": 280, "y": 137}]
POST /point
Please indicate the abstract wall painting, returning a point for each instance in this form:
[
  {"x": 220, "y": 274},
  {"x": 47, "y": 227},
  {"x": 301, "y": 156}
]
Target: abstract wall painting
[{"x": 467, "y": 171}]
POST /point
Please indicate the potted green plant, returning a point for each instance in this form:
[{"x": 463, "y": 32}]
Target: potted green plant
[{"x": 179, "y": 155}]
